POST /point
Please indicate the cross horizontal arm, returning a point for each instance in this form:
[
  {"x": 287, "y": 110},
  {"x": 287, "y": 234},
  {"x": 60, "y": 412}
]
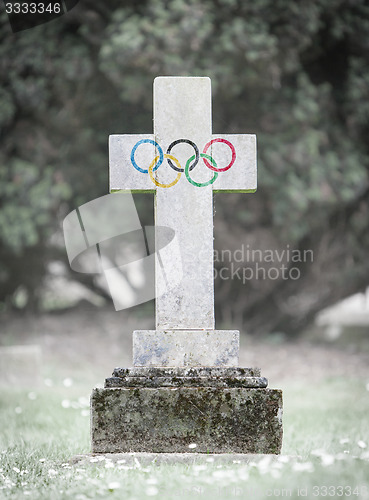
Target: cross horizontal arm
[
  {"x": 241, "y": 177},
  {"x": 233, "y": 155},
  {"x": 123, "y": 175}
]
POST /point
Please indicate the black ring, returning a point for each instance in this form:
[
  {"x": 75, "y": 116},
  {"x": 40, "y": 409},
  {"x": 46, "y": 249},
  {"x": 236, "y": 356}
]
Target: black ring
[{"x": 174, "y": 143}]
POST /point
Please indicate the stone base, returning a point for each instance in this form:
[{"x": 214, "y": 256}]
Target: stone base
[
  {"x": 216, "y": 416},
  {"x": 188, "y": 377},
  {"x": 185, "y": 347}
]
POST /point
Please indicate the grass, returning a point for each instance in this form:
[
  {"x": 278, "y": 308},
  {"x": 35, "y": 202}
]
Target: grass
[{"x": 325, "y": 451}]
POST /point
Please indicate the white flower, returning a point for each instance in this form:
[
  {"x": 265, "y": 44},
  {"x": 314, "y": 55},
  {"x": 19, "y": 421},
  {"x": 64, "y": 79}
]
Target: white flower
[
  {"x": 109, "y": 465},
  {"x": 67, "y": 382},
  {"x": 277, "y": 465},
  {"x": 152, "y": 491},
  {"x": 276, "y": 474},
  {"x": 264, "y": 464},
  {"x": 65, "y": 403},
  {"x": 42, "y": 460},
  {"x": 340, "y": 456},
  {"x": 318, "y": 453},
  {"x": 18, "y": 410},
  {"x": 152, "y": 480},
  {"x": 52, "y": 472},
  {"x": 192, "y": 446},
  {"x": 303, "y": 467},
  {"x": 114, "y": 485},
  {"x": 219, "y": 473},
  {"x": 83, "y": 401},
  {"x": 327, "y": 460},
  {"x": 200, "y": 467},
  {"x": 15, "y": 469},
  {"x": 32, "y": 396},
  {"x": 344, "y": 440},
  {"x": 243, "y": 474},
  {"x": 361, "y": 444}
]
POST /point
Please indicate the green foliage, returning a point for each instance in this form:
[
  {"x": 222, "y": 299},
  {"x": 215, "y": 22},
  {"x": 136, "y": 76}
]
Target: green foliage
[
  {"x": 266, "y": 61},
  {"x": 39, "y": 194}
]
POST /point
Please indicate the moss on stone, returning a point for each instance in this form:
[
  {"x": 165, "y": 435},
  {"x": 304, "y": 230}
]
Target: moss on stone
[{"x": 218, "y": 420}]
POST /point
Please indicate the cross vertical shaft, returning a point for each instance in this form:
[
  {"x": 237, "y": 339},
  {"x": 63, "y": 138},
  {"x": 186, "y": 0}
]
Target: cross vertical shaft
[
  {"x": 185, "y": 332},
  {"x": 182, "y": 109}
]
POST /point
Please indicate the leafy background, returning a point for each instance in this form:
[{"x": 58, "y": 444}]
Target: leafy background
[{"x": 294, "y": 73}]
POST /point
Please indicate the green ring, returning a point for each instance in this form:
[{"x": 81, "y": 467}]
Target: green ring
[{"x": 201, "y": 184}]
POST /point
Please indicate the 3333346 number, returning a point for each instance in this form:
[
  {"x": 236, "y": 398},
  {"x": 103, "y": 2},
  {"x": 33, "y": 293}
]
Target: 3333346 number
[{"x": 33, "y": 8}]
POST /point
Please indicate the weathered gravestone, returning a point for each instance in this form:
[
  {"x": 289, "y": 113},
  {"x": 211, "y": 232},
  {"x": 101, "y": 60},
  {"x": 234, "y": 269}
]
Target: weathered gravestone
[{"x": 185, "y": 386}]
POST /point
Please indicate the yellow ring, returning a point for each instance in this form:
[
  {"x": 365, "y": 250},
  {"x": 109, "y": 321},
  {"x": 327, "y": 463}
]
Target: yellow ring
[{"x": 152, "y": 165}]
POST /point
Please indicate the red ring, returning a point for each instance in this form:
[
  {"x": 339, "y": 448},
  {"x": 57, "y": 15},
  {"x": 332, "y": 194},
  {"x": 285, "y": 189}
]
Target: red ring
[{"x": 233, "y": 155}]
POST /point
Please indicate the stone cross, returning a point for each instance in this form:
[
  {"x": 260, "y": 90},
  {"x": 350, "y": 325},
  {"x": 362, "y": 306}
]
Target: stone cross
[
  {"x": 183, "y": 163},
  {"x": 185, "y": 391}
]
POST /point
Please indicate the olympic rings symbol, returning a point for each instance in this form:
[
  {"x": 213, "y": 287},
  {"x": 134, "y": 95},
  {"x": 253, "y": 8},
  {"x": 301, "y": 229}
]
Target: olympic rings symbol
[
  {"x": 152, "y": 168},
  {"x": 191, "y": 163}
]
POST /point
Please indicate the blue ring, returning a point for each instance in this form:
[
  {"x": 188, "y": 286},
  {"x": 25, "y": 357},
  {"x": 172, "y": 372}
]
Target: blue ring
[{"x": 146, "y": 141}]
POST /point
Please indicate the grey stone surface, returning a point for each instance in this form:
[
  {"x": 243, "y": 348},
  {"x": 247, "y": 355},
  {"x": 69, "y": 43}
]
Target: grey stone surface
[
  {"x": 123, "y": 177},
  {"x": 185, "y": 347},
  {"x": 192, "y": 371},
  {"x": 168, "y": 420},
  {"x": 255, "y": 382},
  {"x": 242, "y": 176}
]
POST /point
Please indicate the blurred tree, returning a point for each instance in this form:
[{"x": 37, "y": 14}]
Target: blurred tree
[{"x": 296, "y": 74}]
